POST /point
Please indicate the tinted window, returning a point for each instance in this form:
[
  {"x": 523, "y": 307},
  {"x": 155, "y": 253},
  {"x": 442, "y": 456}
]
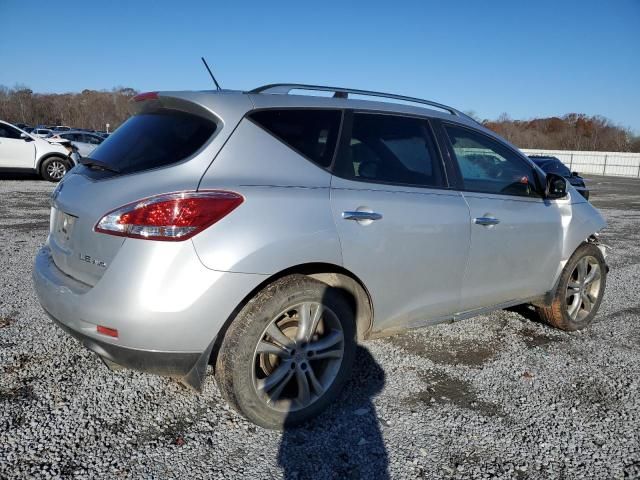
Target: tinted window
[
  {"x": 390, "y": 149},
  {"x": 153, "y": 140},
  {"x": 313, "y": 133},
  {"x": 92, "y": 139},
  {"x": 8, "y": 132},
  {"x": 487, "y": 166}
]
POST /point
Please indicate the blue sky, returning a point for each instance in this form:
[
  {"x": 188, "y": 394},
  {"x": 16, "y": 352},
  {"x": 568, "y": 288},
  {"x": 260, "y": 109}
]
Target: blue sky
[{"x": 534, "y": 58}]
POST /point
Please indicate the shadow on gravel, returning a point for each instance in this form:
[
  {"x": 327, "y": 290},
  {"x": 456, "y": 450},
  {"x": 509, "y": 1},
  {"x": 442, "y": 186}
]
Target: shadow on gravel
[
  {"x": 19, "y": 176},
  {"x": 345, "y": 441}
]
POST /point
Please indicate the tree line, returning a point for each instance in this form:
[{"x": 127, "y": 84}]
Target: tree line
[
  {"x": 88, "y": 109},
  {"x": 94, "y": 109},
  {"x": 574, "y": 131}
]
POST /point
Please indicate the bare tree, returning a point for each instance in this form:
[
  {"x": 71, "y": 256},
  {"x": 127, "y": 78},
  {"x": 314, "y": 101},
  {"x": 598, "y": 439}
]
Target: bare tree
[{"x": 88, "y": 109}]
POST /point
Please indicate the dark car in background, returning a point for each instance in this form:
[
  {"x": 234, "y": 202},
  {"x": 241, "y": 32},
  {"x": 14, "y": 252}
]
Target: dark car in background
[{"x": 554, "y": 165}]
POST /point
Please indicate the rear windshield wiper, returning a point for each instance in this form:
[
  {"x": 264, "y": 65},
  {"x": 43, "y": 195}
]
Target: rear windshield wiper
[{"x": 93, "y": 163}]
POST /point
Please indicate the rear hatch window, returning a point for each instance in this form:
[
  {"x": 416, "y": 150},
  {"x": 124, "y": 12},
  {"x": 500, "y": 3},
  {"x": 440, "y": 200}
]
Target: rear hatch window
[{"x": 152, "y": 140}]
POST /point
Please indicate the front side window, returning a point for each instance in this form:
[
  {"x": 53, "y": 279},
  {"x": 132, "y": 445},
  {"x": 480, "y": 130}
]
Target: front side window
[
  {"x": 313, "y": 133},
  {"x": 390, "y": 149},
  {"x": 489, "y": 167},
  {"x": 8, "y": 132}
]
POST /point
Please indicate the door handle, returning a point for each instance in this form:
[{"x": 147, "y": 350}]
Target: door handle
[
  {"x": 486, "y": 221},
  {"x": 357, "y": 215}
]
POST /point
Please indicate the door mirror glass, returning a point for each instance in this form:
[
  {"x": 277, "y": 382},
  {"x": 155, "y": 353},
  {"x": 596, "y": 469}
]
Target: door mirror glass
[
  {"x": 575, "y": 174},
  {"x": 556, "y": 186}
]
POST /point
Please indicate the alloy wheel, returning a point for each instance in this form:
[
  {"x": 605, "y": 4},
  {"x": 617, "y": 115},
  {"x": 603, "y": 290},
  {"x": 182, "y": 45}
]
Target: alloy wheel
[
  {"x": 56, "y": 169},
  {"x": 298, "y": 357},
  {"x": 583, "y": 288}
]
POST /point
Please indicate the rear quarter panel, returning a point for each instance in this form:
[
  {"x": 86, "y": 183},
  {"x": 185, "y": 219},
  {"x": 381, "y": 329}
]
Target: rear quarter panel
[{"x": 285, "y": 219}]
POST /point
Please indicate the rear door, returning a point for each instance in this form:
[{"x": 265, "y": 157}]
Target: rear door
[
  {"x": 402, "y": 231},
  {"x": 516, "y": 236},
  {"x": 15, "y": 152}
]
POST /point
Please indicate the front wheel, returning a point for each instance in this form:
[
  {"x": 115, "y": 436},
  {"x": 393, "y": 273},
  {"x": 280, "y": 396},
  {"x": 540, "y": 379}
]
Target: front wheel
[
  {"x": 288, "y": 352},
  {"x": 580, "y": 290},
  {"x": 54, "y": 168}
]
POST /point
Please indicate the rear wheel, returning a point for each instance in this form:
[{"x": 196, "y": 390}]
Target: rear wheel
[
  {"x": 580, "y": 290},
  {"x": 288, "y": 353},
  {"x": 54, "y": 168}
]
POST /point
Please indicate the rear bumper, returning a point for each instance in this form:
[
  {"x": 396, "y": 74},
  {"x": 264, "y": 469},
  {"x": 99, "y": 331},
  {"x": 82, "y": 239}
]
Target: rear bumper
[
  {"x": 159, "y": 302},
  {"x": 171, "y": 364}
]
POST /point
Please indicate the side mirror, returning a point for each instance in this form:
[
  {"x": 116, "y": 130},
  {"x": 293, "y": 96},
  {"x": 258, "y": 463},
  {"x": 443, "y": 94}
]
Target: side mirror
[
  {"x": 556, "y": 186},
  {"x": 575, "y": 174},
  {"x": 26, "y": 137}
]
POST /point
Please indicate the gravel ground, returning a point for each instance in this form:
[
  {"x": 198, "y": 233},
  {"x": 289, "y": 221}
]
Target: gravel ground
[{"x": 496, "y": 396}]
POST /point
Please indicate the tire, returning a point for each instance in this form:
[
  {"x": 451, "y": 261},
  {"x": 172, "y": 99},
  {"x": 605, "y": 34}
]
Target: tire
[
  {"x": 54, "y": 168},
  {"x": 579, "y": 291},
  {"x": 268, "y": 388}
]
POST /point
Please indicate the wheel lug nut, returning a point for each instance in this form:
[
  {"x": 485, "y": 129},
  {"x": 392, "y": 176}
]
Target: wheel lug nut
[
  {"x": 293, "y": 365},
  {"x": 303, "y": 366}
]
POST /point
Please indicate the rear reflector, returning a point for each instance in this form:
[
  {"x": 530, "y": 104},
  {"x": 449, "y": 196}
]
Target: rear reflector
[
  {"x": 141, "y": 97},
  {"x": 110, "y": 332},
  {"x": 171, "y": 217}
]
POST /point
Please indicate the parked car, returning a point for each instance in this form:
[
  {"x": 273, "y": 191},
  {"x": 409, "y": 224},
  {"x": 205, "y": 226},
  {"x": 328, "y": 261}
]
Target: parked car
[
  {"x": 85, "y": 142},
  {"x": 267, "y": 232},
  {"x": 41, "y": 132},
  {"x": 551, "y": 164},
  {"x": 21, "y": 151},
  {"x": 61, "y": 128}
]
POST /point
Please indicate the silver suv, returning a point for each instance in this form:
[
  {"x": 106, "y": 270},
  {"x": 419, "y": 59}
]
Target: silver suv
[{"x": 266, "y": 233}]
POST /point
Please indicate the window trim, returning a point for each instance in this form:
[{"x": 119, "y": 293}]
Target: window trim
[
  {"x": 345, "y": 138},
  {"x": 460, "y": 180},
  {"x": 341, "y": 111}
]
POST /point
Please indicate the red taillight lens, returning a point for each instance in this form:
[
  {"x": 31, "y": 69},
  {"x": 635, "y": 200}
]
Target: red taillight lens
[
  {"x": 170, "y": 217},
  {"x": 141, "y": 97}
]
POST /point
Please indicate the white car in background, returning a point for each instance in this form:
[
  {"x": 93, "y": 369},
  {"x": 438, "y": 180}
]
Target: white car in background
[
  {"x": 85, "y": 142},
  {"x": 21, "y": 151},
  {"x": 41, "y": 132}
]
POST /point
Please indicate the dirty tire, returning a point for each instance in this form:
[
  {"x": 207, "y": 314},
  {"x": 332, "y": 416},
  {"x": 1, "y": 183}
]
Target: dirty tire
[
  {"x": 54, "y": 168},
  {"x": 236, "y": 361},
  {"x": 557, "y": 314}
]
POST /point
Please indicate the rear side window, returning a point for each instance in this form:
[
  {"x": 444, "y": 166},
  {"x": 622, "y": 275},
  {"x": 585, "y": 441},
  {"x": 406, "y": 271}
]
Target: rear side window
[
  {"x": 390, "y": 149},
  {"x": 312, "y": 133},
  {"x": 152, "y": 140}
]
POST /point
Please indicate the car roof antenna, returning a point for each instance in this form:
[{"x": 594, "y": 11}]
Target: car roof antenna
[{"x": 212, "y": 77}]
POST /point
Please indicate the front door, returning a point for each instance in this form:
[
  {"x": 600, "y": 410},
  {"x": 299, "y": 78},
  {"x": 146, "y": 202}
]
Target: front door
[
  {"x": 516, "y": 236},
  {"x": 402, "y": 231},
  {"x": 15, "y": 152}
]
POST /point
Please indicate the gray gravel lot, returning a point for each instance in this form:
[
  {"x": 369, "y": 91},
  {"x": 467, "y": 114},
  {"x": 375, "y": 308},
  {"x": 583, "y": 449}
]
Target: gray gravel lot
[{"x": 495, "y": 396}]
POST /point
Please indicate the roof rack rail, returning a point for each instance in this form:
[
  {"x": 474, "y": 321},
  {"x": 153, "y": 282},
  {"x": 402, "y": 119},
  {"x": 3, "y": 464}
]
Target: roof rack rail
[{"x": 339, "y": 92}]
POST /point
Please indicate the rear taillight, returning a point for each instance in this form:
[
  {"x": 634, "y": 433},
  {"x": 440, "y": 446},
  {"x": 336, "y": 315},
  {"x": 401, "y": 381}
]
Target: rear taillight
[
  {"x": 169, "y": 217},
  {"x": 141, "y": 97}
]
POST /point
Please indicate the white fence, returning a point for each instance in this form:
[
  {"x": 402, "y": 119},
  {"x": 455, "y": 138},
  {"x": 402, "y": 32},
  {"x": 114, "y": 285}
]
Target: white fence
[{"x": 597, "y": 163}]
